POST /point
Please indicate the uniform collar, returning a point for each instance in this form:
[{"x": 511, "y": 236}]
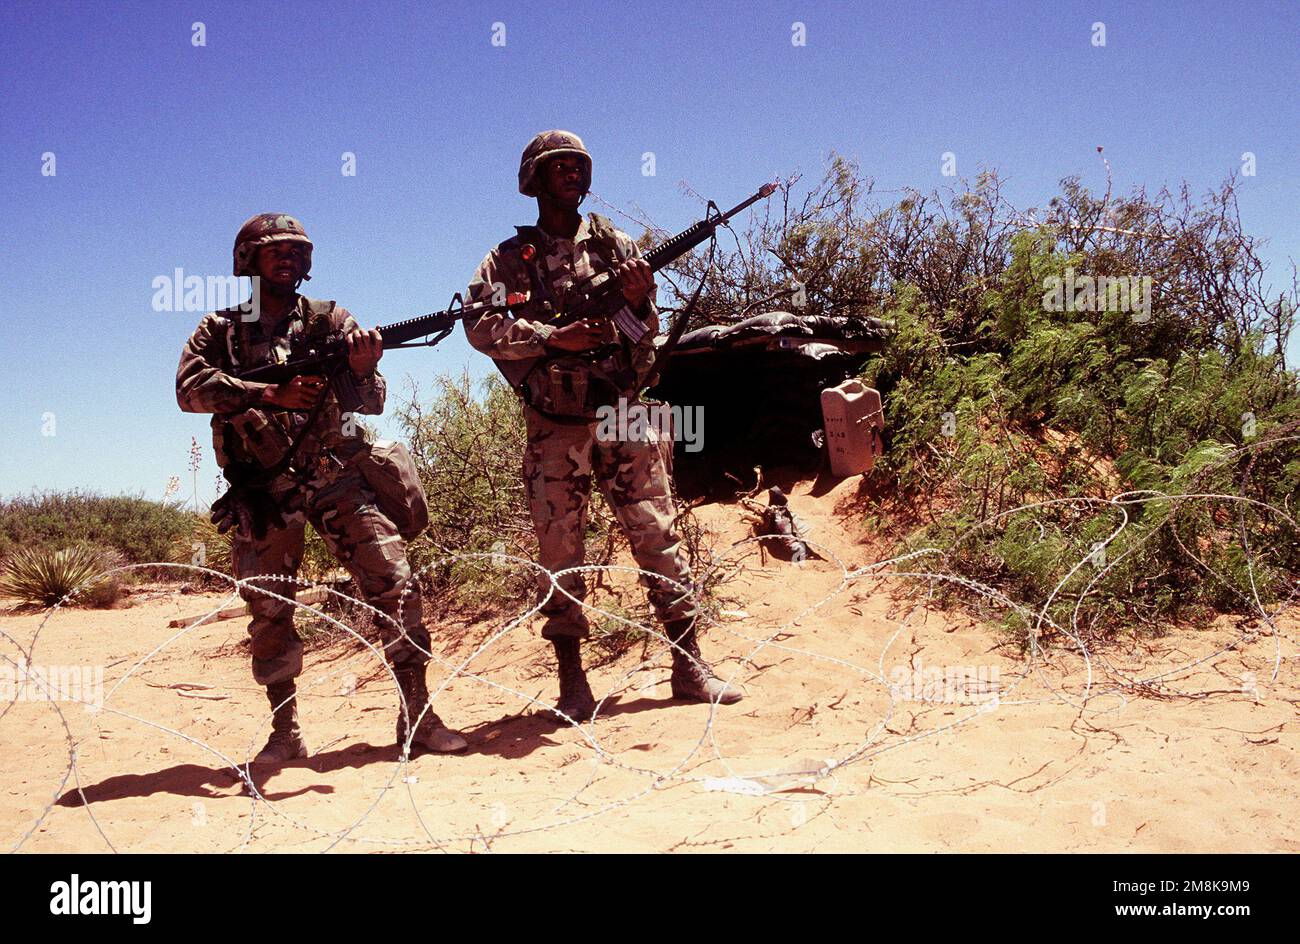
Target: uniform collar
[
  {"x": 548, "y": 241},
  {"x": 298, "y": 311}
]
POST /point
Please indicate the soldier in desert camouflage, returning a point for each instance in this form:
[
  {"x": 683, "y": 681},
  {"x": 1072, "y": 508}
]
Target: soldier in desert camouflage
[
  {"x": 562, "y": 373},
  {"x": 253, "y": 428}
]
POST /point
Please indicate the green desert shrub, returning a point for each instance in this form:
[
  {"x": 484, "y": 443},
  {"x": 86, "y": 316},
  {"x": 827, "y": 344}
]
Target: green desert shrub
[
  {"x": 142, "y": 531},
  {"x": 468, "y": 442},
  {"x": 1000, "y": 403}
]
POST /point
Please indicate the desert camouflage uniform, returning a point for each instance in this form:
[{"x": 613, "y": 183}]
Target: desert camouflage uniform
[
  {"x": 562, "y": 457},
  {"x": 319, "y": 487}
]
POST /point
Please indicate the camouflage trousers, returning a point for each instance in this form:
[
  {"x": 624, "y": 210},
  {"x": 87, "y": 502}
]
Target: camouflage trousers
[
  {"x": 365, "y": 542},
  {"x": 559, "y": 465}
]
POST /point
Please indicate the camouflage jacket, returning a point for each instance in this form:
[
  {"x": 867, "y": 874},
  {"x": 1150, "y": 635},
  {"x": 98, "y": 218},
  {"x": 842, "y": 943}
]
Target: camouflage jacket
[
  {"x": 517, "y": 339},
  {"x": 245, "y": 431}
]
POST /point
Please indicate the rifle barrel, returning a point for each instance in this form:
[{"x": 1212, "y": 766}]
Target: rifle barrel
[
  {"x": 331, "y": 351},
  {"x": 688, "y": 239},
  {"x": 412, "y": 328},
  {"x": 606, "y": 299},
  {"x": 403, "y": 331}
]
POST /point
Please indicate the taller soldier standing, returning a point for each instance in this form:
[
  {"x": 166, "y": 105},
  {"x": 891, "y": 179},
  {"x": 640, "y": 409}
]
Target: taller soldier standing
[
  {"x": 564, "y": 374},
  {"x": 291, "y": 457}
]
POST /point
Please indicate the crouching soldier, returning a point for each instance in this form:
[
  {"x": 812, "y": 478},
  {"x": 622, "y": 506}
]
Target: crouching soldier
[
  {"x": 290, "y": 453},
  {"x": 564, "y": 374}
]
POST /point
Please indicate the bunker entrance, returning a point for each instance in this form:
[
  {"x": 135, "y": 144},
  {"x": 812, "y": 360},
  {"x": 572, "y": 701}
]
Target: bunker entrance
[{"x": 750, "y": 393}]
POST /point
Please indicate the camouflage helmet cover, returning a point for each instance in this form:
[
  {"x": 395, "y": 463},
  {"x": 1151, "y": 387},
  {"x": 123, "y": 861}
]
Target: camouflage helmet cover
[
  {"x": 263, "y": 229},
  {"x": 542, "y": 148}
]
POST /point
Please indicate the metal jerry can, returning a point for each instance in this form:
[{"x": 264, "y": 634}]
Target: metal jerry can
[{"x": 854, "y": 420}]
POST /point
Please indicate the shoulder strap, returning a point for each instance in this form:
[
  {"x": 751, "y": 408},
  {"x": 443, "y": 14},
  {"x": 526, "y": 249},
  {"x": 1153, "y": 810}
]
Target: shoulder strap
[
  {"x": 319, "y": 315},
  {"x": 605, "y": 233},
  {"x": 230, "y": 328},
  {"x": 538, "y": 283}
]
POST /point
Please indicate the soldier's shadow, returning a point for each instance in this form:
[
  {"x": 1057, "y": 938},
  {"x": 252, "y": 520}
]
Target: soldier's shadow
[
  {"x": 520, "y": 735},
  {"x": 516, "y": 736},
  {"x": 196, "y": 780}
]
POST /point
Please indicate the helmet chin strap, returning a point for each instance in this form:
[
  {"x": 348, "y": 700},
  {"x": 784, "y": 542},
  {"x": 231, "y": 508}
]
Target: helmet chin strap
[
  {"x": 585, "y": 193},
  {"x": 298, "y": 284}
]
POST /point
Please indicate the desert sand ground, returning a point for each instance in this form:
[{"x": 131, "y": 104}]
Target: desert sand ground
[{"x": 1070, "y": 756}]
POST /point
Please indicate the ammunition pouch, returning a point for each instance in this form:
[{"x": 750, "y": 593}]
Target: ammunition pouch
[
  {"x": 572, "y": 389},
  {"x": 259, "y": 438}
]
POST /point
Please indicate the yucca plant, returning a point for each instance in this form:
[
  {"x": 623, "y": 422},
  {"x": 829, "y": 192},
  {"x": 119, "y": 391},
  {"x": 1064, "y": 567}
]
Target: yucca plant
[
  {"x": 204, "y": 546},
  {"x": 44, "y": 577}
]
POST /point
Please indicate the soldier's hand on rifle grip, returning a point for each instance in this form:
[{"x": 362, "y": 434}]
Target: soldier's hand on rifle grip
[
  {"x": 637, "y": 281},
  {"x": 579, "y": 336},
  {"x": 301, "y": 393},
  {"x": 364, "y": 350}
]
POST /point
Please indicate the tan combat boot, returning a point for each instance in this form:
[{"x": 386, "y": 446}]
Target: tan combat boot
[
  {"x": 285, "y": 743},
  {"x": 430, "y": 733},
  {"x": 693, "y": 680},
  {"x": 576, "y": 700}
]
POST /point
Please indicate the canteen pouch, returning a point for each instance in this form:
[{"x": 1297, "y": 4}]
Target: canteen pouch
[
  {"x": 571, "y": 390},
  {"x": 565, "y": 392},
  {"x": 262, "y": 440},
  {"x": 390, "y": 472}
]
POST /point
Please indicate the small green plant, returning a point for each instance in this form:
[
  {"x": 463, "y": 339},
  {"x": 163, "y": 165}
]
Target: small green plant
[
  {"x": 618, "y": 629},
  {"x": 468, "y": 447},
  {"x": 317, "y": 562},
  {"x": 41, "y": 577},
  {"x": 319, "y": 633},
  {"x": 204, "y": 546}
]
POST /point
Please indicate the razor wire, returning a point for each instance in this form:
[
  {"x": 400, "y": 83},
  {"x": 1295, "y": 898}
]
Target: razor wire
[{"x": 572, "y": 809}]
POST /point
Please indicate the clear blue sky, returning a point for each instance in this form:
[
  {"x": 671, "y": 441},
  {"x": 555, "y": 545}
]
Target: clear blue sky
[{"x": 162, "y": 149}]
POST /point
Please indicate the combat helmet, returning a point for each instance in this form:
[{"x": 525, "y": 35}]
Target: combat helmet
[
  {"x": 265, "y": 228},
  {"x": 542, "y": 148}
]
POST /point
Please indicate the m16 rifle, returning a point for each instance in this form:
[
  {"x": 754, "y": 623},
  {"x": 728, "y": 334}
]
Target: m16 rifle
[
  {"x": 601, "y": 296},
  {"x": 245, "y": 504},
  {"x": 322, "y": 356}
]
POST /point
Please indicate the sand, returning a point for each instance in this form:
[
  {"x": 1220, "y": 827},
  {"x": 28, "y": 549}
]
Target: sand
[{"x": 818, "y": 757}]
